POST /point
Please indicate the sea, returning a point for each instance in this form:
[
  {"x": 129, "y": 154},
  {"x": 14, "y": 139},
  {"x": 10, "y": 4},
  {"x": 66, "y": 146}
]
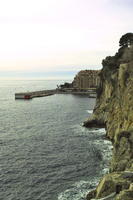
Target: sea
[{"x": 45, "y": 152}]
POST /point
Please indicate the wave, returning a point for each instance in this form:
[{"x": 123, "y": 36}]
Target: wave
[
  {"x": 97, "y": 130},
  {"x": 90, "y": 111},
  {"x": 79, "y": 190}
]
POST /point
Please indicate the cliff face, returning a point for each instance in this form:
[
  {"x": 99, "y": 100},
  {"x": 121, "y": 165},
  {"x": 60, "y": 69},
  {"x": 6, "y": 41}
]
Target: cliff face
[{"x": 114, "y": 111}]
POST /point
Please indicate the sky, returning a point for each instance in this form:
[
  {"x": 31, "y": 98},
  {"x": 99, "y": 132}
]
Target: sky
[{"x": 57, "y": 38}]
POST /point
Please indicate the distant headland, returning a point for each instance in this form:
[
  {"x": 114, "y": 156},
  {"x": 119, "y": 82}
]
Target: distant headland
[{"x": 85, "y": 82}]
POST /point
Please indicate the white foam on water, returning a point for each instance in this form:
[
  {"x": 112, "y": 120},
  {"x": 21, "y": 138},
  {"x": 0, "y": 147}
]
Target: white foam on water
[
  {"x": 105, "y": 171},
  {"x": 90, "y": 111},
  {"x": 98, "y": 130},
  {"x": 105, "y": 147},
  {"x": 78, "y": 190}
]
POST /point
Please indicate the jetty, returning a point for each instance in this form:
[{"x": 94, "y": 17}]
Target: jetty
[
  {"x": 30, "y": 95},
  {"x": 43, "y": 93}
]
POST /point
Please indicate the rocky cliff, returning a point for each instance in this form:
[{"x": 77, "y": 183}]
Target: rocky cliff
[{"x": 114, "y": 111}]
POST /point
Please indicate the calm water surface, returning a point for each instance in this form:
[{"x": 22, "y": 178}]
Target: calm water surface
[{"x": 45, "y": 153}]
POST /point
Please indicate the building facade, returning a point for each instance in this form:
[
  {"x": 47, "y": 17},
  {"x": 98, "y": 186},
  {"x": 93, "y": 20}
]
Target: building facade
[{"x": 86, "y": 79}]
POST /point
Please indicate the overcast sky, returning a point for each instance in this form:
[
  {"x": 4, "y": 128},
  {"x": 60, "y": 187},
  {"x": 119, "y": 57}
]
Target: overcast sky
[{"x": 60, "y": 35}]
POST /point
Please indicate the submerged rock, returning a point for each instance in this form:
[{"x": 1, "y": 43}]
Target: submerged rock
[{"x": 94, "y": 123}]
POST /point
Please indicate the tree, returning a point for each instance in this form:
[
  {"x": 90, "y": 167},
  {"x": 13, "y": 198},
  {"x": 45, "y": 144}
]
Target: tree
[
  {"x": 66, "y": 85},
  {"x": 126, "y": 40}
]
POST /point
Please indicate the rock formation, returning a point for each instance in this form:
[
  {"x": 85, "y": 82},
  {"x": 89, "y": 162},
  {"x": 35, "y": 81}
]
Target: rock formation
[
  {"x": 86, "y": 79},
  {"x": 114, "y": 111}
]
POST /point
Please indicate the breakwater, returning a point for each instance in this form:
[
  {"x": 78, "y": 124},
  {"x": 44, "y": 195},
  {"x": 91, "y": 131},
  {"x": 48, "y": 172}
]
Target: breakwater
[{"x": 29, "y": 95}]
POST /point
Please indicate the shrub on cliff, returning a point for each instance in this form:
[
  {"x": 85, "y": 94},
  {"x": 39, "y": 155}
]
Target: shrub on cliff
[{"x": 109, "y": 61}]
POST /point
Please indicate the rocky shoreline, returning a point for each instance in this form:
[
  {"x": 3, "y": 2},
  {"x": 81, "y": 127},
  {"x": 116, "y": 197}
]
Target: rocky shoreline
[{"x": 114, "y": 112}]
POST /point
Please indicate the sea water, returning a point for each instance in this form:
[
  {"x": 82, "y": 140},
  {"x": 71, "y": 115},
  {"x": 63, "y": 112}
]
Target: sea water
[{"x": 45, "y": 153}]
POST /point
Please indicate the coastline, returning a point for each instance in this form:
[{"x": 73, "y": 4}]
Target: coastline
[{"x": 113, "y": 110}]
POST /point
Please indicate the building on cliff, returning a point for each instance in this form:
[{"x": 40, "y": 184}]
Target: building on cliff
[{"x": 86, "y": 79}]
